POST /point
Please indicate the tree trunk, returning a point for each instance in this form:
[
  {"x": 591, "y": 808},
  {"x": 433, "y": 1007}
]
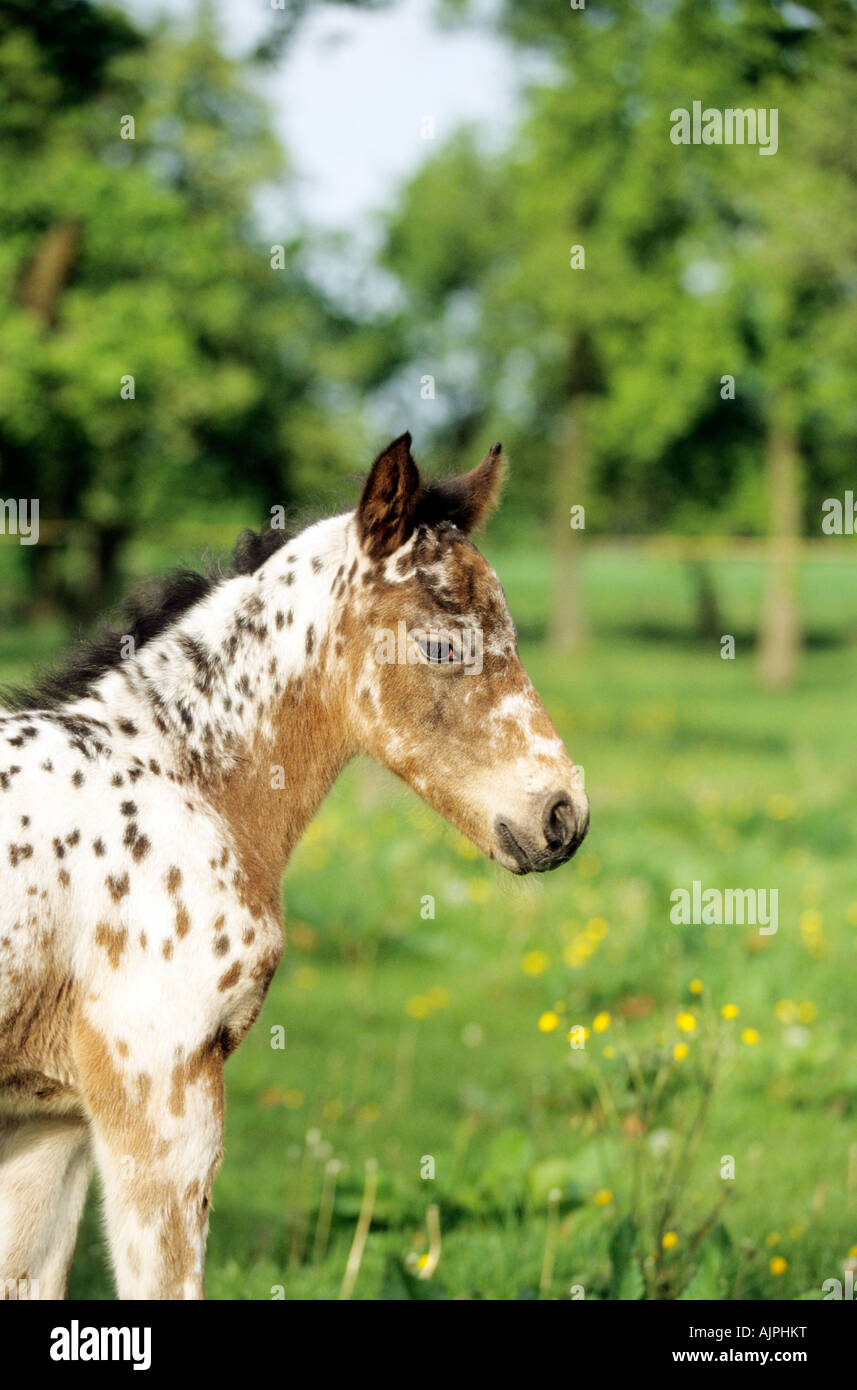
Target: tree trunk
[
  {"x": 48, "y": 597},
  {"x": 779, "y": 637},
  {"x": 43, "y": 278},
  {"x": 709, "y": 625},
  {"x": 568, "y": 624},
  {"x": 100, "y": 590}
]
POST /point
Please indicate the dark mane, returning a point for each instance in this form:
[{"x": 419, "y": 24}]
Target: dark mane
[{"x": 150, "y": 608}]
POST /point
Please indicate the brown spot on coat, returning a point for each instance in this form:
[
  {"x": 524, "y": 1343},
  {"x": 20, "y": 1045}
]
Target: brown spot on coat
[
  {"x": 112, "y": 940},
  {"x": 230, "y": 977},
  {"x": 118, "y": 886},
  {"x": 138, "y": 844}
]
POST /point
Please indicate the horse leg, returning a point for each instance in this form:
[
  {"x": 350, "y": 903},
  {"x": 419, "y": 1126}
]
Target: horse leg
[
  {"x": 45, "y": 1167},
  {"x": 157, "y": 1136}
]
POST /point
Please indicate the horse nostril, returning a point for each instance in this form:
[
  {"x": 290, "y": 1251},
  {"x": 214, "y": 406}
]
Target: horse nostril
[{"x": 558, "y": 821}]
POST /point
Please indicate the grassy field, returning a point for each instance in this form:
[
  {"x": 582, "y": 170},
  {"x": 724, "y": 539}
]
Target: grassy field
[{"x": 443, "y": 1044}]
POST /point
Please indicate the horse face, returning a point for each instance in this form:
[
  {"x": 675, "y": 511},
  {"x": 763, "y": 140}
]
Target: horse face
[{"x": 437, "y": 689}]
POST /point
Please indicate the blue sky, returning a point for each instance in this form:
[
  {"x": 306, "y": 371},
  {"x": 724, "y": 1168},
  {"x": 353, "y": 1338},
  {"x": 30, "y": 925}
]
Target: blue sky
[{"x": 351, "y": 94}]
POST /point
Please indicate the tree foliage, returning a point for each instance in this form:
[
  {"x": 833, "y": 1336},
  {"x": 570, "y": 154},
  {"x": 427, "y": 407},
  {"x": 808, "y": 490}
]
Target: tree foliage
[
  {"x": 700, "y": 262},
  {"x": 133, "y": 252}
]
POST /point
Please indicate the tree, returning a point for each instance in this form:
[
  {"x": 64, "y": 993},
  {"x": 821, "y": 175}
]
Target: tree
[
  {"x": 688, "y": 271},
  {"x": 159, "y": 357}
]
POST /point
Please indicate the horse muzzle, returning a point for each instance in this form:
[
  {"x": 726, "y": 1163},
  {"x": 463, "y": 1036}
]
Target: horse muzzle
[{"x": 562, "y": 819}]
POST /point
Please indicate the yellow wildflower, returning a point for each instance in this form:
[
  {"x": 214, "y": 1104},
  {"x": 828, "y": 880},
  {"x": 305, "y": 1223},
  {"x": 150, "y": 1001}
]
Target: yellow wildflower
[
  {"x": 597, "y": 928},
  {"x": 534, "y": 963}
]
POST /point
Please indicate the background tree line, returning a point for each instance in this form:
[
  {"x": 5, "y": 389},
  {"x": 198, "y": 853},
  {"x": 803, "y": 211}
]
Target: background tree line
[{"x": 144, "y": 257}]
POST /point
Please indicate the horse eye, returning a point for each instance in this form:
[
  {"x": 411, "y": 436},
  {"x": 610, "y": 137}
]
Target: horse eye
[{"x": 438, "y": 650}]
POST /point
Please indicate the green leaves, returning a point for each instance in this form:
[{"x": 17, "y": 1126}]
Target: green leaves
[
  {"x": 710, "y": 1279},
  {"x": 626, "y": 1279},
  {"x": 163, "y": 279},
  {"x": 699, "y": 261}
]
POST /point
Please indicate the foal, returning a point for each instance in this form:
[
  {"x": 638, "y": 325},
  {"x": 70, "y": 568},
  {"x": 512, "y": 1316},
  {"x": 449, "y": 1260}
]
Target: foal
[{"x": 150, "y": 796}]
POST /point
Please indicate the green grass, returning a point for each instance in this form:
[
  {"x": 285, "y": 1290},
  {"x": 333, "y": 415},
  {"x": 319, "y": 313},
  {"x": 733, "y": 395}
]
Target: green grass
[{"x": 693, "y": 773}]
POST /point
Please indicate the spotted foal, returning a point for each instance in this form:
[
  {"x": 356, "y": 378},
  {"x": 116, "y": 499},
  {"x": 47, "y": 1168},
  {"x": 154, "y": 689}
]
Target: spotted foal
[{"x": 150, "y": 796}]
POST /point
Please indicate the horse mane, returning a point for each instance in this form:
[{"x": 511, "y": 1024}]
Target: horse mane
[{"x": 150, "y": 608}]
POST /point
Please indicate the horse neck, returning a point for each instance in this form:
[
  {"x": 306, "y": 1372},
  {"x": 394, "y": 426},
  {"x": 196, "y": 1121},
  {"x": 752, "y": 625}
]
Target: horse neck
[{"x": 238, "y": 695}]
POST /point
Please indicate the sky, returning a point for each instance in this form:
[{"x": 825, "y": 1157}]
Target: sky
[{"x": 352, "y": 94}]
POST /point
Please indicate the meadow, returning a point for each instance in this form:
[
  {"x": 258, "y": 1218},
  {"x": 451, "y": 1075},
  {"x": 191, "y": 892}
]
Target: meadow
[{"x": 701, "y": 1142}]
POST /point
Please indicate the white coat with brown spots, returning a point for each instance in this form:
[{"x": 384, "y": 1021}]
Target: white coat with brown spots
[{"x": 150, "y": 796}]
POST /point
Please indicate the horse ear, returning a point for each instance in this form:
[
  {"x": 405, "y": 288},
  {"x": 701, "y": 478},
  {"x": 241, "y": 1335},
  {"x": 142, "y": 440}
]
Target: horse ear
[
  {"x": 467, "y": 501},
  {"x": 385, "y": 514}
]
